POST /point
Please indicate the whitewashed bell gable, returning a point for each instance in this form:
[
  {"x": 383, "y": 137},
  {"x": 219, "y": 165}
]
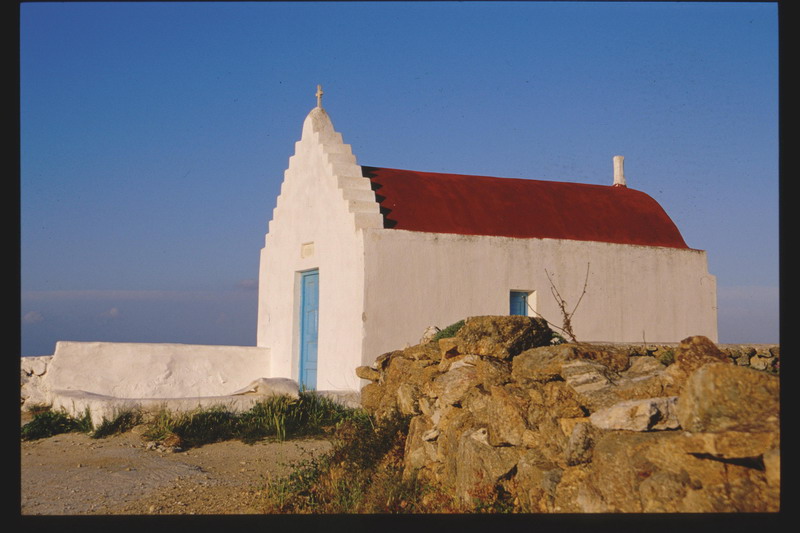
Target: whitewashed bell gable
[{"x": 323, "y": 204}]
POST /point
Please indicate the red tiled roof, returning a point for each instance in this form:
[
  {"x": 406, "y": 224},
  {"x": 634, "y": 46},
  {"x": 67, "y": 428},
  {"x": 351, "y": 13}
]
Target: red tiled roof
[{"x": 522, "y": 208}]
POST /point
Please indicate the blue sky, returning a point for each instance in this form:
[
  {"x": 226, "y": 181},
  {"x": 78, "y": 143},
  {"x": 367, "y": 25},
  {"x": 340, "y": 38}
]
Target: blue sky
[{"x": 154, "y": 137}]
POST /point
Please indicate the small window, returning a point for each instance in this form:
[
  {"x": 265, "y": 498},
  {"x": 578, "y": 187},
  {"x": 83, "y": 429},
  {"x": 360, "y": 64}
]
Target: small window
[{"x": 519, "y": 303}]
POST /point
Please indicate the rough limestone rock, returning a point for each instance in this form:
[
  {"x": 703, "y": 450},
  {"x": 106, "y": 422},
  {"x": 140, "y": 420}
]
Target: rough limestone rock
[
  {"x": 542, "y": 364},
  {"x": 615, "y": 358},
  {"x": 479, "y": 465},
  {"x": 586, "y": 377},
  {"x": 772, "y": 471},
  {"x": 371, "y": 397},
  {"x": 420, "y": 446},
  {"x": 674, "y": 471},
  {"x": 271, "y": 387},
  {"x": 448, "y": 347},
  {"x": 502, "y": 336},
  {"x": 368, "y": 373},
  {"x": 691, "y": 354},
  {"x": 537, "y": 479},
  {"x": 574, "y": 494},
  {"x": 694, "y": 352},
  {"x": 409, "y": 392},
  {"x": 32, "y": 370},
  {"x": 450, "y": 387},
  {"x": 579, "y": 428},
  {"x": 562, "y": 401},
  {"x": 35, "y": 366},
  {"x": 639, "y": 415},
  {"x": 725, "y": 397},
  {"x": 477, "y": 401},
  {"x": 400, "y": 383},
  {"x": 621, "y": 467},
  {"x": 428, "y": 335},
  {"x": 423, "y": 351},
  {"x": 582, "y": 438},
  {"x": 642, "y": 367},
  {"x": 452, "y": 423},
  {"x": 383, "y": 360},
  {"x": 397, "y": 380},
  {"x": 644, "y": 378},
  {"x": 732, "y": 444},
  {"x": 490, "y": 371},
  {"x": 506, "y": 408}
]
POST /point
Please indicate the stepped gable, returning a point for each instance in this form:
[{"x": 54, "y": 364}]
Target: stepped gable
[{"x": 521, "y": 208}]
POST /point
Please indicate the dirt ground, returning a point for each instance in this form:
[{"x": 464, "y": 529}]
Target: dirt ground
[{"x": 74, "y": 474}]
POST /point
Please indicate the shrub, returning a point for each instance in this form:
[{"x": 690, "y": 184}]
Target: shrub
[
  {"x": 288, "y": 492},
  {"x": 363, "y": 473},
  {"x": 37, "y": 408},
  {"x": 667, "y": 358},
  {"x": 199, "y": 427},
  {"x": 265, "y": 419},
  {"x": 47, "y": 423},
  {"x": 278, "y": 417},
  {"x": 449, "y": 331},
  {"x": 121, "y": 423}
]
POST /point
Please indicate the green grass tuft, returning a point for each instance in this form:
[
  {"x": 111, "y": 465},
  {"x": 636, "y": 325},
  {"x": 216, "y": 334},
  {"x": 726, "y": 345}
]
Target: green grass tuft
[
  {"x": 47, "y": 423},
  {"x": 278, "y": 417},
  {"x": 449, "y": 331},
  {"x": 121, "y": 423},
  {"x": 667, "y": 358}
]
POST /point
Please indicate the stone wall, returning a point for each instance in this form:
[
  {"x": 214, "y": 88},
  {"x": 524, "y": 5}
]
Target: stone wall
[
  {"x": 576, "y": 428},
  {"x": 31, "y": 373}
]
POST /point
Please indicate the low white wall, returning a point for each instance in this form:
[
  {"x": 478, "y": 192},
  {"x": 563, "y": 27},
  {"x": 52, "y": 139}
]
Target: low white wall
[{"x": 140, "y": 370}]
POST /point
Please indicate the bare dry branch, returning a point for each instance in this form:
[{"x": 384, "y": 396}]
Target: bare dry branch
[{"x": 566, "y": 316}]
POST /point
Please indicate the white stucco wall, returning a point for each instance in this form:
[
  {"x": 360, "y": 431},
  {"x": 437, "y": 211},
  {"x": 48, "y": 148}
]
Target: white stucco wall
[
  {"x": 324, "y": 201},
  {"x": 141, "y": 370},
  {"x": 415, "y": 280}
]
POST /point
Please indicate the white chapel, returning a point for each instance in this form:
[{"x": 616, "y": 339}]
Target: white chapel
[{"x": 360, "y": 260}]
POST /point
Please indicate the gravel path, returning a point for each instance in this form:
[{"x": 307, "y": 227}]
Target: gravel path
[{"x": 73, "y": 474}]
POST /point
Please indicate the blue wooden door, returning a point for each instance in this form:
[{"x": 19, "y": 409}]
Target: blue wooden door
[
  {"x": 309, "y": 328},
  {"x": 519, "y": 303}
]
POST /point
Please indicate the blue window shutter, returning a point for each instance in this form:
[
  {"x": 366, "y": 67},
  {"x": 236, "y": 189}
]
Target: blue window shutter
[{"x": 519, "y": 303}]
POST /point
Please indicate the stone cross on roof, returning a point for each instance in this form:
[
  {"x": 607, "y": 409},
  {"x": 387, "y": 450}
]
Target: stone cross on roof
[{"x": 319, "y": 95}]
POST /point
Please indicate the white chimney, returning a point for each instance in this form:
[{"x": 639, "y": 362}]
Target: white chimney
[{"x": 619, "y": 172}]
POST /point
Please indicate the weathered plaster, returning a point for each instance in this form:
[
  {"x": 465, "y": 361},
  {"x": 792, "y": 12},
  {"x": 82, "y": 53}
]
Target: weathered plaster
[
  {"x": 142, "y": 370},
  {"x": 107, "y": 378},
  {"x": 414, "y": 280}
]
